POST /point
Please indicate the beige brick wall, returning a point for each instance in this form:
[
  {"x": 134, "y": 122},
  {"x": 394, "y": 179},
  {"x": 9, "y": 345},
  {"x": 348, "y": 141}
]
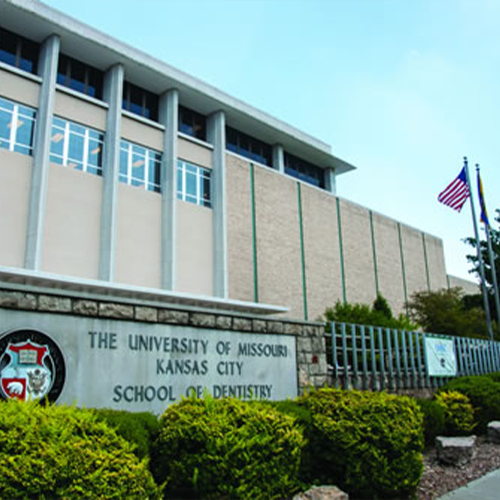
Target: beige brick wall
[
  {"x": 358, "y": 253},
  {"x": 239, "y": 229},
  {"x": 195, "y": 249},
  {"x": 72, "y": 226},
  {"x": 416, "y": 275},
  {"x": 80, "y": 111},
  {"x": 138, "y": 237},
  {"x": 15, "y": 179},
  {"x": 19, "y": 89},
  {"x": 469, "y": 287},
  {"x": 140, "y": 133},
  {"x": 194, "y": 153},
  {"x": 435, "y": 259},
  {"x": 321, "y": 248},
  {"x": 278, "y": 241},
  {"x": 390, "y": 271}
]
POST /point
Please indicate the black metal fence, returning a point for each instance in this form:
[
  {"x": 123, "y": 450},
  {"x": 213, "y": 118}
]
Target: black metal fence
[{"x": 375, "y": 358}]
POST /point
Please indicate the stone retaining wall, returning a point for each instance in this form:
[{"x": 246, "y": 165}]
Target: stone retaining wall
[{"x": 311, "y": 352}]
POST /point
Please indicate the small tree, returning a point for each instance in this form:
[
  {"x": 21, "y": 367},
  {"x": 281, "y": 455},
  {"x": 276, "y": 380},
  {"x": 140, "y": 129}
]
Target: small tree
[
  {"x": 444, "y": 312},
  {"x": 380, "y": 314}
]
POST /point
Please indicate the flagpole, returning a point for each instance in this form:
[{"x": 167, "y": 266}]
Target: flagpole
[
  {"x": 493, "y": 272},
  {"x": 479, "y": 256}
]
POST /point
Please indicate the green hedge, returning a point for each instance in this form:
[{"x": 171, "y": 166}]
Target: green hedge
[
  {"x": 458, "y": 413},
  {"x": 62, "y": 452},
  {"x": 434, "y": 420},
  {"x": 140, "y": 429},
  {"x": 227, "y": 448},
  {"x": 367, "y": 443},
  {"x": 483, "y": 392}
]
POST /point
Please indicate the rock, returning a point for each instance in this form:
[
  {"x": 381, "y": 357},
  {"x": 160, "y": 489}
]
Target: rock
[
  {"x": 455, "y": 451},
  {"x": 493, "y": 432},
  {"x": 322, "y": 493}
]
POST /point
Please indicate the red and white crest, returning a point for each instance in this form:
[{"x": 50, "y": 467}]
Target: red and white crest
[{"x": 26, "y": 376}]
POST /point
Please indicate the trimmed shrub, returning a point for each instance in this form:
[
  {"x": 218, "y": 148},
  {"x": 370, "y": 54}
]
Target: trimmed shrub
[
  {"x": 458, "y": 413},
  {"x": 484, "y": 394},
  {"x": 227, "y": 448},
  {"x": 139, "y": 429},
  {"x": 64, "y": 452},
  {"x": 367, "y": 443},
  {"x": 434, "y": 420}
]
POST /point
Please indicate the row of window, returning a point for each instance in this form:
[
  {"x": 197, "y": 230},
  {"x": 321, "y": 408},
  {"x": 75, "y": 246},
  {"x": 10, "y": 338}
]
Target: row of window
[
  {"x": 22, "y": 53},
  {"x": 81, "y": 148}
]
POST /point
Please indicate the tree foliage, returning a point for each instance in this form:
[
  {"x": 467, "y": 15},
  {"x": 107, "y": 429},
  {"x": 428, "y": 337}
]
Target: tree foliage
[
  {"x": 445, "y": 312},
  {"x": 380, "y": 314},
  {"x": 474, "y": 261}
]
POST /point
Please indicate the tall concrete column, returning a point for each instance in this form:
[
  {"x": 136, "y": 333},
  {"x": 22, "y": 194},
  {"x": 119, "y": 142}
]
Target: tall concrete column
[
  {"x": 169, "y": 106},
  {"x": 279, "y": 158},
  {"x": 216, "y": 131},
  {"x": 49, "y": 56},
  {"x": 113, "y": 90},
  {"x": 330, "y": 180}
]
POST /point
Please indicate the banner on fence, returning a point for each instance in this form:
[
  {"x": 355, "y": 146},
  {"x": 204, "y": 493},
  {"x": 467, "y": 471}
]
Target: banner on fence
[{"x": 441, "y": 358}]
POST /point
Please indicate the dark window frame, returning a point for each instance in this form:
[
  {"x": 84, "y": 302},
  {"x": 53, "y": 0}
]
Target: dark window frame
[
  {"x": 149, "y": 104},
  {"x": 255, "y": 149},
  {"x": 23, "y": 47},
  {"x": 192, "y": 123},
  {"x": 304, "y": 171},
  {"x": 93, "y": 78}
]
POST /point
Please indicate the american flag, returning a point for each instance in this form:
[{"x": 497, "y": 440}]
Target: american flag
[{"x": 455, "y": 195}]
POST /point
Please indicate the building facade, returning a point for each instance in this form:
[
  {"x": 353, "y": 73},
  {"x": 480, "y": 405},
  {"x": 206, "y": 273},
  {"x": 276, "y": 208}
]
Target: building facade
[{"x": 120, "y": 172}]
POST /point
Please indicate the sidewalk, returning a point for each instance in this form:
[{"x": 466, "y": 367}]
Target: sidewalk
[{"x": 484, "y": 488}]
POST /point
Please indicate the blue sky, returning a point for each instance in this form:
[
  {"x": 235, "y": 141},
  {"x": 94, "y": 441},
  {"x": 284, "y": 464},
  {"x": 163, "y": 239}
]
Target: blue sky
[{"x": 402, "y": 89}]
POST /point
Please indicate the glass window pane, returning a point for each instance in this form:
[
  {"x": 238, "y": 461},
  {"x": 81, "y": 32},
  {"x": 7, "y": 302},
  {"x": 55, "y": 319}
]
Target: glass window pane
[
  {"x": 77, "y": 76},
  {"x": 5, "y": 120},
  {"x": 22, "y": 149},
  {"x": 75, "y": 150},
  {"x": 124, "y": 163},
  {"x": 179, "y": 179},
  {"x": 154, "y": 172},
  {"x": 138, "y": 167},
  {"x": 24, "y": 133},
  {"x": 6, "y": 105},
  {"x": 190, "y": 184},
  {"x": 95, "y": 153},
  {"x": 74, "y": 127},
  {"x": 8, "y": 42}
]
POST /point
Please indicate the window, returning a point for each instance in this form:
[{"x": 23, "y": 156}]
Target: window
[
  {"x": 140, "y": 166},
  {"x": 18, "y": 51},
  {"x": 305, "y": 171},
  {"x": 17, "y": 123},
  {"x": 140, "y": 101},
  {"x": 80, "y": 77},
  {"x": 192, "y": 123},
  {"x": 249, "y": 147},
  {"x": 76, "y": 146},
  {"x": 194, "y": 184}
]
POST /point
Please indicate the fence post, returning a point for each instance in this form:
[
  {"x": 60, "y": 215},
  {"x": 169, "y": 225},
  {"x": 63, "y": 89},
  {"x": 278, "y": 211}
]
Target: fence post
[
  {"x": 345, "y": 356},
  {"x": 412, "y": 360},
  {"x": 382, "y": 360},
  {"x": 405, "y": 359},
  {"x": 354, "y": 350},
  {"x": 389, "y": 358},
  {"x": 364, "y": 360},
  {"x": 335, "y": 360},
  {"x": 419, "y": 361},
  {"x": 458, "y": 353},
  {"x": 426, "y": 363},
  {"x": 375, "y": 385},
  {"x": 399, "y": 381}
]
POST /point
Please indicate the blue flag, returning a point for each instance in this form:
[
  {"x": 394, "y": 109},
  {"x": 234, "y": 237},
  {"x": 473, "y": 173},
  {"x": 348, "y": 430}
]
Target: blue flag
[{"x": 484, "y": 213}]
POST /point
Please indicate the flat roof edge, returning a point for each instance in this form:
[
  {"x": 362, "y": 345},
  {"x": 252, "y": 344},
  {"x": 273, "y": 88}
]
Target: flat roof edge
[
  {"x": 106, "y": 291},
  {"x": 93, "y": 35}
]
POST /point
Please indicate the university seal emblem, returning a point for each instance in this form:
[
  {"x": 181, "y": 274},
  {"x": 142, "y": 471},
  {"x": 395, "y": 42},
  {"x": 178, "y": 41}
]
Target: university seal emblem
[{"x": 31, "y": 366}]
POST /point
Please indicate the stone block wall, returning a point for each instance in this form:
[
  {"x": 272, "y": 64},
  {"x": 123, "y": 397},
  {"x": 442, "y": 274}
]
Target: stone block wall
[{"x": 310, "y": 344}]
